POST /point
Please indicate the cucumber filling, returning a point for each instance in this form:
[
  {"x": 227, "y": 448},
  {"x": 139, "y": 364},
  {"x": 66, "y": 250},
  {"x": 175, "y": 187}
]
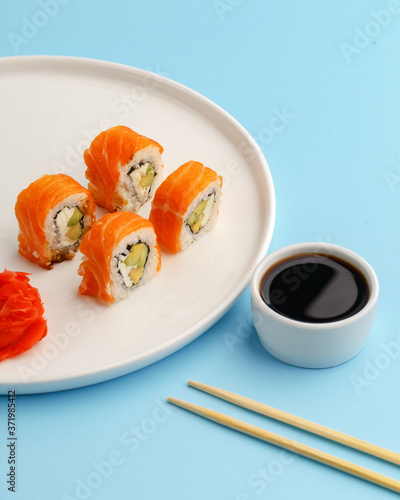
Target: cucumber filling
[
  {"x": 131, "y": 263},
  {"x": 142, "y": 177},
  {"x": 69, "y": 225},
  {"x": 201, "y": 214}
]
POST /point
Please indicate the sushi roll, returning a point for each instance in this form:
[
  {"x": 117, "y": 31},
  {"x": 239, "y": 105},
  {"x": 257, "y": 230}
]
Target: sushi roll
[
  {"x": 53, "y": 213},
  {"x": 123, "y": 168},
  {"x": 185, "y": 206},
  {"x": 120, "y": 254}
]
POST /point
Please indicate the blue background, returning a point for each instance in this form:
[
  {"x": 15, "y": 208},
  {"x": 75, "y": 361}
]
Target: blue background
[{"x": 332, "y": 69}]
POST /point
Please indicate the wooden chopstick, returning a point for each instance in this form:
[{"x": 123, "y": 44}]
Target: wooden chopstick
[
  {"x": 302, "y": 423},
  {"x": 288, "y": 444}
]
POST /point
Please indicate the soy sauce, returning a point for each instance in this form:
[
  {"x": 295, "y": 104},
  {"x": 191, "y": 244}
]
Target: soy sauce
[{"x": 314, "y": 288}]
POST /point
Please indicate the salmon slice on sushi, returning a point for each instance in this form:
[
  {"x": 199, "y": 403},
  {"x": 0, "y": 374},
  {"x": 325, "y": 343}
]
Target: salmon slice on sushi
[
  {"x": 53, "y": 213},
  {"x": 123, "y": 168},
  {"x": 186, "y": 205},
  {"x": 120, "y": 253}
]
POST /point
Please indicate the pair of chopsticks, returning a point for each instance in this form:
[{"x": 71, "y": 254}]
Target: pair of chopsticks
[{"x": 289, "y": 444}]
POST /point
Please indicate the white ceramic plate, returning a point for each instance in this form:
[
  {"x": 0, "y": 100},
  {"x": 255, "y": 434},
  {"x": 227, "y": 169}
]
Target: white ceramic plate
[{"x": 51, "y": 108}]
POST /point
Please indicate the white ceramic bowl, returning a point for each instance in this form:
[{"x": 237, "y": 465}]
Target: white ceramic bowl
[{"x": 313, "y": 345}]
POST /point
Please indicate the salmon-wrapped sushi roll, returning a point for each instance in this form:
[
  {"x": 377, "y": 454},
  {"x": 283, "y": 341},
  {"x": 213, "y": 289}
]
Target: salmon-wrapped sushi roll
[
  {"x": 123, "y": 168},
  {"x": 53, "y": 213},
  {"x": 185, "y": 206},
  {"x": 120, "y": 254}
]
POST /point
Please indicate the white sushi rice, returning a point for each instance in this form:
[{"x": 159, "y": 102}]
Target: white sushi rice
[
  {"x": 129, "y": 195},
  {"x": 58, "y": 242},
  {"x": 120, "y": 288},
  {"x": 187, "y": 236}
]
